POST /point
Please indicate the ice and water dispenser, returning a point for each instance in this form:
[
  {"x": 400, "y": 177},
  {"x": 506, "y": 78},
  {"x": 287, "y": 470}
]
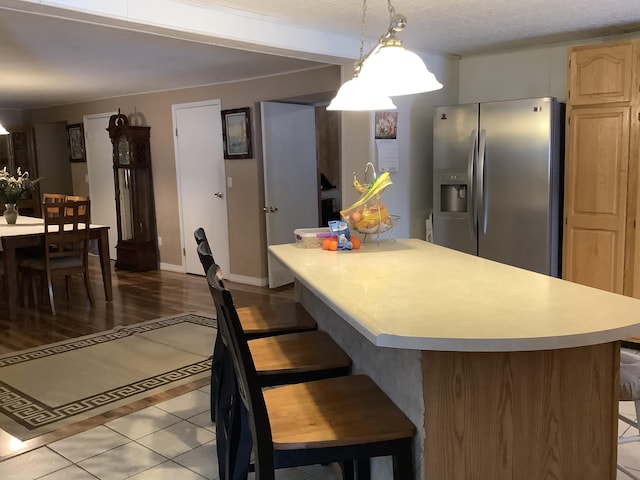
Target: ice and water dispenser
[{"x": 453, "y": 192}]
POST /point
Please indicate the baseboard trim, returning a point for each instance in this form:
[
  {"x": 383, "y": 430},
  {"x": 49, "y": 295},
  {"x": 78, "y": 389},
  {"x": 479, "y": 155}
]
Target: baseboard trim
[
  {"x": 170, "y": 267},
  {"x": 255, "y": 281}
]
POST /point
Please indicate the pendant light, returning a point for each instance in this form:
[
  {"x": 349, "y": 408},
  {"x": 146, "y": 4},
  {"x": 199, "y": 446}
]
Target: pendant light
[
  {"x": 356, "y": 94},
  {"x": 3, "y": 131},
  {"x": 386, "y": 71},
  {"x": 392, "y": 68}
]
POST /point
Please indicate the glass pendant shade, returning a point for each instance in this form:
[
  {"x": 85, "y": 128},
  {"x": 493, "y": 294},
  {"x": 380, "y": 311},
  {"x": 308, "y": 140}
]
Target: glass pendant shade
[
  {"x": 3, "y": 131},
  {"x": 360, "y": 95},
  {"x": 398, "y": 71}
]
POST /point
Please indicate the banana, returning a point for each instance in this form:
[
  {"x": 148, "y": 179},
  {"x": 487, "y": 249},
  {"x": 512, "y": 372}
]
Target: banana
[{"x": 358, "y": 186}]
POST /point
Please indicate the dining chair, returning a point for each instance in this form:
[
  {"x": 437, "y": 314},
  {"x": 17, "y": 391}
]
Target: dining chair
[
  {"x": 76, "y": 198},
  {"x": 65, "y": 248},
  {"x": 51, "y": 198},
  {"x": 344, "y": 419}
]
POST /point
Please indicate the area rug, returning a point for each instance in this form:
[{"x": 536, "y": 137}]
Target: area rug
[{"x": 45, "y": 388}]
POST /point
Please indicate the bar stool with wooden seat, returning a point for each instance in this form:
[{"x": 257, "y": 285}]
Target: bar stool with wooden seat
[
  {"x": 283, "y": 357},
  {"x": 343, "y": 419},
  {"x": 265, "y": 319}
]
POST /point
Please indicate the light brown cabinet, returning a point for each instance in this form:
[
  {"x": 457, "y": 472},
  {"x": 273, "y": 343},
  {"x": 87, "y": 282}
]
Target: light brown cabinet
[
  {"x": 18, "y": 150},
  {"x": 601, "y": 167}
]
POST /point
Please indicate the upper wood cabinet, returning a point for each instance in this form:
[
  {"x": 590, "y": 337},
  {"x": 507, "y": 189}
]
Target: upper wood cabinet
[
  {"x": 601, "y": 168},
  {"x": 601, "y": 74}
]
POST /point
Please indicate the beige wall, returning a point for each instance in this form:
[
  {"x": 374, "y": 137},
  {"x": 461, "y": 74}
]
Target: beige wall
[{"x": 245, "y": 199}]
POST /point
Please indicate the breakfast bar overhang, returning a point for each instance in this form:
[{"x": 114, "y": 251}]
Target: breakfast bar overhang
[{"x": 506, "y": 373}]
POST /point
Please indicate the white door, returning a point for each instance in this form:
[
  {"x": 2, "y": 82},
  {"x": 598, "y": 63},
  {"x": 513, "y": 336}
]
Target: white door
[
  {"x": 290, "y": 176},
  {"x": 201, "y": 181},
  {"x": 102, "y": 190}
]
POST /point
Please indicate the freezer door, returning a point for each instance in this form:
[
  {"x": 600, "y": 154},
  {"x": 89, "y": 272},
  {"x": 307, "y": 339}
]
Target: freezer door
[
  {"x": 454, "y": 153},
  {"x": 518, "y": 209}
]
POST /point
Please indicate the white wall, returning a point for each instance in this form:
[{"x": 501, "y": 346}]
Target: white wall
[
  {"x": 519, "y": 74},
  {"x": 54, "y": 168}
]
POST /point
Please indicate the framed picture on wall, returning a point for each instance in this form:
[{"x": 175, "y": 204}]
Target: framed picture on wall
[
  {"x": 236, "y": 133},
  {"x": 75, "y": 135}
]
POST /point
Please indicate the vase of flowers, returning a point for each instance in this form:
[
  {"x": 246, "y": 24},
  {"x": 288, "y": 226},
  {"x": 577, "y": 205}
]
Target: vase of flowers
[{"x": 12, "y": 189}]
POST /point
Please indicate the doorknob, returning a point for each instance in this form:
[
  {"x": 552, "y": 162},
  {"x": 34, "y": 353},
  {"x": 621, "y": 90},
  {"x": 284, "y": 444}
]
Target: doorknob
[
  {"x": 270, "y": 209},
  {"x": 219, "y": 194}
]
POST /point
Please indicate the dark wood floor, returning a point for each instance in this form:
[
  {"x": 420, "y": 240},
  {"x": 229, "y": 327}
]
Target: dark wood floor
[{"x": 136, "y": 297}]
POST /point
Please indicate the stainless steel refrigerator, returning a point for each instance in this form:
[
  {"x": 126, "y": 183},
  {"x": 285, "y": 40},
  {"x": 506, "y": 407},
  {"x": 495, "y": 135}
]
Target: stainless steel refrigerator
[{"x": 497, "y": 181}]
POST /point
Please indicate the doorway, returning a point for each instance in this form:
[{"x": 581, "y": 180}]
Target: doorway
[{"x": 201, "y": 179}]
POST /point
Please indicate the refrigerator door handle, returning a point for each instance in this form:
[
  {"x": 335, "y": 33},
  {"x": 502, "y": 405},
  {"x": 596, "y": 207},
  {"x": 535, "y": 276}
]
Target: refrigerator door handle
[
  {"x": 482, "y": 198},
  {"x": 473, "y": 151}
]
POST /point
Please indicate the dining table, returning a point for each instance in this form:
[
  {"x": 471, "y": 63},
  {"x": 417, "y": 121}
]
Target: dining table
[{"x": 29, "y": 232}]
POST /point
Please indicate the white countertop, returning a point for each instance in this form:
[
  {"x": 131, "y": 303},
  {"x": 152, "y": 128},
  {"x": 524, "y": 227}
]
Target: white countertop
[{"x": 415, "y": 295}]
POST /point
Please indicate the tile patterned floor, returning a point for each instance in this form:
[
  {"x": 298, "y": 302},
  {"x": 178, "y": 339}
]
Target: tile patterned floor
[{"x": 174, "y": 440}]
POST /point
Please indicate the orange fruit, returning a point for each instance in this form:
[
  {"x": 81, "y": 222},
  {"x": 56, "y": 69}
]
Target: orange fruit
[
  {"x": 325, "y": 243},
  {"x": 355, "y": 243},
  {"x": 333, "y": 245}
]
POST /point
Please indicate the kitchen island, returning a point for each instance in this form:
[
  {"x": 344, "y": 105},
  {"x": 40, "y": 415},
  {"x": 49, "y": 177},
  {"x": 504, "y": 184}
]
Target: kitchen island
[{"x": 506, "y": 373}]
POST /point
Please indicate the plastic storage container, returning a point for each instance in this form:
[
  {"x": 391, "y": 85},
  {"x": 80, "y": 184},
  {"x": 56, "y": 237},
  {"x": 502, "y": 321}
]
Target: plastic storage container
[{"x": 311, "y": 237}]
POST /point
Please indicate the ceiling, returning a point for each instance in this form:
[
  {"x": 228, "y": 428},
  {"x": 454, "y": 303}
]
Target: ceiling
[{"x": 48, "y": 60}]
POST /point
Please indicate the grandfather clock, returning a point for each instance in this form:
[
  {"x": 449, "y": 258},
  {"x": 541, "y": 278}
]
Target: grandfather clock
[{"x": 137, "y": 248}]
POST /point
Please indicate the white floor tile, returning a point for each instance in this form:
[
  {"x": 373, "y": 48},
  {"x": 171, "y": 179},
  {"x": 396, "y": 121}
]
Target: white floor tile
[
  {"x": 168, "y": 471},
  {"x": 31, "y": 465},
  {"x": 87, "y": 444},
  {"x": 122, "y": 462},
  {"x": 143, "y": 422},
  {"x": 177, "y": 439},
  {"x": 187, "y": 405},
  {"x": 204, "y": 420},
  {"x": 70, "y": 473},
  {"x": 202, "y": 460}
]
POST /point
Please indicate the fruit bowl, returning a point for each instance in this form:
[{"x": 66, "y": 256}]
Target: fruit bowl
[{"x": 382, "y": 227}]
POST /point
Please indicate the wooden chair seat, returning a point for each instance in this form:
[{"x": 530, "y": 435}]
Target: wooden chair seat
[
  {"x": 261, "y": 320},
  {"x": 298, "y": 357},
  {"x": 335, "y": 412}
]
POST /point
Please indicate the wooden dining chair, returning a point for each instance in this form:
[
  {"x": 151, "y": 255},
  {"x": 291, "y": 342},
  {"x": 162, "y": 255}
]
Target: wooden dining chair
[
  {"x": 65, "y": 249},
  {"x": 344, "y": 419},
  {"x": 51, "y": 198},
  {"x": 76, "y": 198}
]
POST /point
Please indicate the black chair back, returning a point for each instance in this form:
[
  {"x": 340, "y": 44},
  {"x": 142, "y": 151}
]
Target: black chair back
[
  {"x": 246, "y": 423},
  {"x": 206, "y": 258}
]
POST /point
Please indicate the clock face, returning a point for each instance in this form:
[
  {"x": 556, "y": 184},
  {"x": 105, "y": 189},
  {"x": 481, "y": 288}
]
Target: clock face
[{"x": 124, "y": 156}]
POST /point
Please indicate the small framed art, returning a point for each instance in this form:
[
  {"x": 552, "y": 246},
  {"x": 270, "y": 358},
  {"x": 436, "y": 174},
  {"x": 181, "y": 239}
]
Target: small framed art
[
  {"x": 75, "y": 134},
  {"x": 236, "y": 132}
]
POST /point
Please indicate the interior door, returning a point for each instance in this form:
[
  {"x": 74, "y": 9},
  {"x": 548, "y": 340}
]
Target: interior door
[
  {"x": 201, "y": 181},
  {"x": 290, "y": 176},
  {"x": 102, "y": 190}
]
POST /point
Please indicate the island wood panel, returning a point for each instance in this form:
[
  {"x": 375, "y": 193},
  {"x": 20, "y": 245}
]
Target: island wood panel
[{"x": 522, "y": 415}]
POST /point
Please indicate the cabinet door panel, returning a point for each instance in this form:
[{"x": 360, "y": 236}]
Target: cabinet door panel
[
  {"x": 601, "y": 74},
  {"x": 595, "y": 196}
]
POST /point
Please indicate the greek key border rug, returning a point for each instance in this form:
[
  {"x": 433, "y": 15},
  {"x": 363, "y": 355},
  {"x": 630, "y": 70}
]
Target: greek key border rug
[{"x": 48, "y": 387}]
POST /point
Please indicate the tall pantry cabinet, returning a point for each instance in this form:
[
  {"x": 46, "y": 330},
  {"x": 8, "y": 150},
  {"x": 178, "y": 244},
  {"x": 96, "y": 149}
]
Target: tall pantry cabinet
[{"x": 600, "y": 246}]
